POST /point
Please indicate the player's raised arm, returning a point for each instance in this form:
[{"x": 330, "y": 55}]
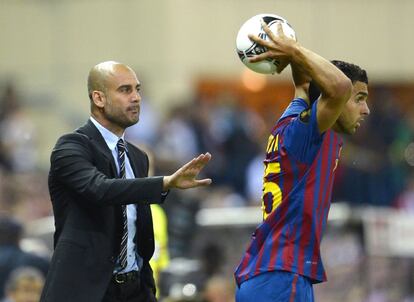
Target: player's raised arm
[{"x": 334, "y": 85}]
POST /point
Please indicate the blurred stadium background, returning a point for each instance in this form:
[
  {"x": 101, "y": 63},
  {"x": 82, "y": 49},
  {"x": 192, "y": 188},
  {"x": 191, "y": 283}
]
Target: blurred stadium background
[{"x": 198, "y": 97}]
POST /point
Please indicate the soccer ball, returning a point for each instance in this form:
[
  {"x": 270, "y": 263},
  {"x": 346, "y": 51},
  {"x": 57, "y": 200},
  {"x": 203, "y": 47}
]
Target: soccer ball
[{"x": 246, "y": 48}]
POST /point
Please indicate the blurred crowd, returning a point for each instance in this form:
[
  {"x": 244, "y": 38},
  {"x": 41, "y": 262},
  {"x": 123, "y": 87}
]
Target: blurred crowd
[{"x": 377, "y": 168}]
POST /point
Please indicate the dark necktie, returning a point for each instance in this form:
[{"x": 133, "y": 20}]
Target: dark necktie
[{"x": 123, "y": 250}]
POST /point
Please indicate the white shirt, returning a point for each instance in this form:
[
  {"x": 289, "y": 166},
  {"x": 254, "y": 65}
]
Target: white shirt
[{"x": 134, "y": 261}]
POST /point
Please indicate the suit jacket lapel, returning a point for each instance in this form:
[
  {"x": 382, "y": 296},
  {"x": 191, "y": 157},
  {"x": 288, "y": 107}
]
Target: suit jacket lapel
[
  {"x": 133, "y": 161},
  {"x": 93, "y": 133}
]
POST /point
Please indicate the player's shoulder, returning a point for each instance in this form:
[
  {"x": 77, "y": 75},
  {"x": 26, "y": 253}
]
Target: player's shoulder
[
  {"x": 305, "y": 115},
  {"x": 295, "y": 108}
]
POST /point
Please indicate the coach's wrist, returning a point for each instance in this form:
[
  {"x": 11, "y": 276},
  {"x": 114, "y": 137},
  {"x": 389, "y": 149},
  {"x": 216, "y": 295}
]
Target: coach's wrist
[{"x": 166, "y": 183}]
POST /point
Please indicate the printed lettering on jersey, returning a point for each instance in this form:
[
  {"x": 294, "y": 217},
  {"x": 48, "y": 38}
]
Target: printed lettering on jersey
[
  {"x": 272, "y": 197},
  {"x": 272, "y": 194},
  {"x": 272, "y": 144}
]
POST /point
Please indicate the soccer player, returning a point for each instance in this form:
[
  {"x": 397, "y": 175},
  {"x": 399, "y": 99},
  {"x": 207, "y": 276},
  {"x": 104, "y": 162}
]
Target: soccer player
[{"x": 283, "y": 260}]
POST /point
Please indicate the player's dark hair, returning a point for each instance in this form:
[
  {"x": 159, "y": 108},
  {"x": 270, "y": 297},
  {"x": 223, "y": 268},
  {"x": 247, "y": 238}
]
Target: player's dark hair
[{"x": 352, "y": 71}]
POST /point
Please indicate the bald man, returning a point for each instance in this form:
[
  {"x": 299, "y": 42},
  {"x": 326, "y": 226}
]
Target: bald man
[{"x": 100, "y": 194}]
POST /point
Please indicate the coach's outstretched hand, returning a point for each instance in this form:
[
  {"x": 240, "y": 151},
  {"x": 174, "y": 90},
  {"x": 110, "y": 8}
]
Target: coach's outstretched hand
[{"x": 185, "y": 177}]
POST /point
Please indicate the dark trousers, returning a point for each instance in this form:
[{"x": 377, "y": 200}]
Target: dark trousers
[{"x": 128, "y": 291}]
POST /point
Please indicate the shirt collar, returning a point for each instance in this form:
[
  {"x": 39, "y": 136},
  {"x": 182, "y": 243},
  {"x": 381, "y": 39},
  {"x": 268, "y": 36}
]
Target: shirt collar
[{"x": 110, "y": 138}]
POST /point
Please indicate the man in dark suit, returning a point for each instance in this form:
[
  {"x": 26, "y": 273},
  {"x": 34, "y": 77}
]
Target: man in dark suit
[{"x": 101, "y": 194}]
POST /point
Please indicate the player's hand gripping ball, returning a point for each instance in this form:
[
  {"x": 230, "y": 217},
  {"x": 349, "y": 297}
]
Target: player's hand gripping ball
[{"x": 246, "y": 48}]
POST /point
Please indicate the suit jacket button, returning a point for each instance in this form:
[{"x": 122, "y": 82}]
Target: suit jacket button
[{"x": 112, "y": 259}]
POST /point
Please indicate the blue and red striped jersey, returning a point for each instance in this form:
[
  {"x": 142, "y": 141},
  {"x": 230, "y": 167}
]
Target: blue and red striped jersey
[{"x": 298, "y": 177}]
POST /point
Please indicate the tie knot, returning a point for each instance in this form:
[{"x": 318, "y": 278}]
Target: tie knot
[{"x": 120, "y": 145}]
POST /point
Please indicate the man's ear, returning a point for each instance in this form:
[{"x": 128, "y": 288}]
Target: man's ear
[{"x": 98, "y": 98}]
